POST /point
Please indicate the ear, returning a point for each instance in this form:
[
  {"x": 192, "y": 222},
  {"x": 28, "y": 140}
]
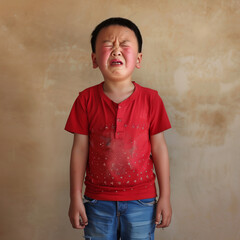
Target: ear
[
  {"x": 139, "y": 59},
  {"x": 94, "y": 60}
]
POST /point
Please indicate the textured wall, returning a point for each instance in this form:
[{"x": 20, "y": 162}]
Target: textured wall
[{"x": 191, "y": 56}]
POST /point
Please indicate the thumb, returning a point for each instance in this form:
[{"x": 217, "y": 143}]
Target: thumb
[{"x": 158, "y": 218}]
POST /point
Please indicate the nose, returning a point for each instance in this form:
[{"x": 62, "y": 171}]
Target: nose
[
  {"x": 116, "y": 51},
  {"x": 115, "y": 54}
]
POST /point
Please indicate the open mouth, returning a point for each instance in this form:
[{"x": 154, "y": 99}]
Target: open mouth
[{"x": 116, "y": 62}]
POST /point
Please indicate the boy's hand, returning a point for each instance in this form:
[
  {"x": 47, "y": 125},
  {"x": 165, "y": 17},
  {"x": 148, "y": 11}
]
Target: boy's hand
[
  {"x": 163, "y": 213},
  {"x": 77, "y": 214}
]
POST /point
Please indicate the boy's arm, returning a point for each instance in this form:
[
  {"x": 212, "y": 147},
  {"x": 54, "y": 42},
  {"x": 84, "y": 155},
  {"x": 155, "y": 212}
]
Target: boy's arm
[
  {"x": 78, "y": 164},
  {"x": 161, "y": 164}
]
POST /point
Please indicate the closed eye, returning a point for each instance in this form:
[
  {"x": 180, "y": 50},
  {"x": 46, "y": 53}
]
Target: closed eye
[
  {"x": 125, "y": 44},
  {"x": 107, "y": 44}
]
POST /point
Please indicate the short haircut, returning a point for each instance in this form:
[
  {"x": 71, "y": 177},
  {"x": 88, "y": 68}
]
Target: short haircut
[{"x": 116, "y": 21}]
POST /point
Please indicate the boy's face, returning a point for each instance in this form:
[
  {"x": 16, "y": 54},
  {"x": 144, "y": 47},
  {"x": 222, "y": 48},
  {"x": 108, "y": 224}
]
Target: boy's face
[{"x": 116, "y": 53}]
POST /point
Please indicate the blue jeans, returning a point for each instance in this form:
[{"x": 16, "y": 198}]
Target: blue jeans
[{"x": 127, "y": 220}]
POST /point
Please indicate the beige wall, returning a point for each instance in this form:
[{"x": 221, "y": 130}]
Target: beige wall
[{"x": 191, "y": 56}]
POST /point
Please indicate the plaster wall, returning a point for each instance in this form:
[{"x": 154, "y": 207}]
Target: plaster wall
[{"x": 191, "y": 55}]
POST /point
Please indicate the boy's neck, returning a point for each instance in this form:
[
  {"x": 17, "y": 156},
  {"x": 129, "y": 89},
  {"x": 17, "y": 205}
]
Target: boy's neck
[
  {"x": 117, "y": 86},
  {"x": 118, "y": 91}
]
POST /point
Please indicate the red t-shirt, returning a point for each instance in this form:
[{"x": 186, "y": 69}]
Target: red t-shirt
[{"x": 119, "y": 166}]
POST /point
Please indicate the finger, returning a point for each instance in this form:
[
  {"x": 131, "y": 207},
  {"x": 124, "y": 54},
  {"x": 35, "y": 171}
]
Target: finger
[
  {"x": 162, "y": 223},
  {"x": 165, "y": 222},
  {"x": 75, "y": 221},
  {"x": 159, "y": 225},
  {"x": 168, "y": 221},
  {"x": 157, "y": 221},
  {"x": 84, "y": 219},
  {"x": 169, "y": 218}
]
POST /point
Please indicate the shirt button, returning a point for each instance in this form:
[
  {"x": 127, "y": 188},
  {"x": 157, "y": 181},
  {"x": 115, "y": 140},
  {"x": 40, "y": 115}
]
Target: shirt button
[{"x": 119, "y": 120}]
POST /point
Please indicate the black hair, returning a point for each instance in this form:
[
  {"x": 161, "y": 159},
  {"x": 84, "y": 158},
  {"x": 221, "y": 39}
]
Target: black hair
[{"x": 116, "y": 21}]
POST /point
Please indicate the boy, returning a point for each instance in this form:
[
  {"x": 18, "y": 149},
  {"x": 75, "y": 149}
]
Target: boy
[{"x": 118, "y": 137}]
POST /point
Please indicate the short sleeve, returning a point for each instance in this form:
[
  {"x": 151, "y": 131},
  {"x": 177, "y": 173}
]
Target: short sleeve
[
  {"x": 159, "y": 120},
  {"x": 78, "y": 121}
]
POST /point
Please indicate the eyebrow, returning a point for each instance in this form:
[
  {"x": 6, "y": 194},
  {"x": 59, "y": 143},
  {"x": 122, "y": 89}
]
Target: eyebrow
[
  {"x": 106, "y": 41},
  {"x": 125, "y": 41},
  {"x": 109, "y": 41}
]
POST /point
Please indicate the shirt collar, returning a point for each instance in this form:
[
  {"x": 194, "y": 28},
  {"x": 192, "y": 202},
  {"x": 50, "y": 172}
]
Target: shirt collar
[{"x": 126, "y": 101}]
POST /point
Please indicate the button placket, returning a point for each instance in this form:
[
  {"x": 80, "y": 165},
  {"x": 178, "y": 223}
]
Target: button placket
[{"x": 119, "y": 122}]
